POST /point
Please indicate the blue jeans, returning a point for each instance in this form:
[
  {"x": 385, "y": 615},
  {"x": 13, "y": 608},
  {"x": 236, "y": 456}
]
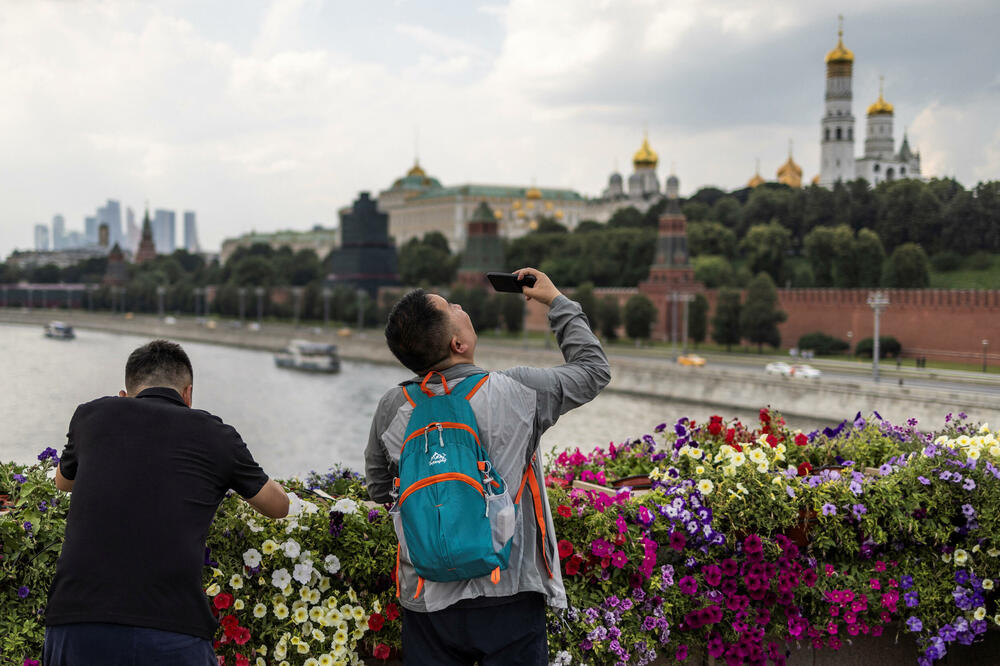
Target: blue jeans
[{"x": 91, "y": 643}]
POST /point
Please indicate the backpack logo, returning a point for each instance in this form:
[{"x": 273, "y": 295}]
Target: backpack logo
[{"x": 437, "y": 458}]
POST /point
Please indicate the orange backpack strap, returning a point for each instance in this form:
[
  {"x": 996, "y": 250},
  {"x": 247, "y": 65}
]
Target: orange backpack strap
[
  {"x": 408, "y": 398},
  {"x": 536, "y": 497},
  {"x": 423, "y": 384},
  {"x": 477, "y": 387}
]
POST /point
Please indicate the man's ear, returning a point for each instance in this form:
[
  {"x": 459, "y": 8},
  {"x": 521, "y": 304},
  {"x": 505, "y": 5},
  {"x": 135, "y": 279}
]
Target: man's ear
[
  {"x": 457, "y": 346},
  {"x": 187, "y": 394},
  {"x": 122, "y": 394}
]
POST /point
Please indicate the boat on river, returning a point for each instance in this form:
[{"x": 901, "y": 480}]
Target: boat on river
[
  {"x": 59, "y": 330},
  {"x": 308, "y": 357}
]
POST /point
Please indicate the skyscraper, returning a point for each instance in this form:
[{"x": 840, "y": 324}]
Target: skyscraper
[
  {"x": 58, "y": 232},
  {"x": 164, "y": 231},
  {"x": 111, "y": 215},
  {"x": 190, "y": 232},
  {"x": 41, "y": 238},
  {"x": 90, "y": 224},
  {"x": 132, "y": 232}
]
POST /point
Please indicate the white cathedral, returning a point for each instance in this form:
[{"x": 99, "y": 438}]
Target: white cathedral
[{"x": 880, "y": 162}]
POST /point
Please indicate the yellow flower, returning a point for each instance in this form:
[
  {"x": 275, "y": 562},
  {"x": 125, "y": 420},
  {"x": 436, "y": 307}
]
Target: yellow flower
[
  {"x": 340, "y": 637},
  {"x": 269, "y": 547},
  {"x": 695, "y": 453},
  {"x": 376, "y": 606},
  {"x": 757, "y": 456},
  {"x": 283, "y": 663},
  {"x": 996, "y": 619},
  {"x": 358, "y": 633},
  {"x": 345, "y": 609},
  {"x": 302, "y": 647},
  {"x": 239, "y": 604},
  {"x": 260, "y": 610},
  {"x": 780, "y": 448},
  {"x": 260, "y": 662},
  {"x": 333, "y": 616},
  {"x": 311, "y": 661},
  {"x": 304, "y": 593},
  {"x": 352, "y": 595},
  {"x": 946, "y": 557},
  {"x": 295, "y": 640},
  {"x": 979, "y": 614},
  {"x": 705, "y": 486},
  {"x": 339, "y": 651},
  {"x": 961, "y": 557},
  {"x": 280, "y": 651},
  {"x": 985, "y": 428},
  {"x": 737, "y": 459},
  {"x": 987, "y": 583},
  {"x": 762, "y": 467},
  {"x": 300, "y": 615},
  {"x": 316, "y": 613},
  {"x": 216, "y": 573},
  {"x": 314, "y": 596},
  {"x": 318, "y": 635},
  {"x": 700, "y": 469},
  {"x": 325, "y": 660},
  {"x": 973, "y": 453},
  {"x": 236, "y": 581},
  {"x": 213, "y": 589},
  {"x": 993, "y": 552},
  {"x": 324, "y": 583},
  {"x": 358, "y": 612},
  {"x": 280, "y": 611},
  {"x": 288, "y": 590}
]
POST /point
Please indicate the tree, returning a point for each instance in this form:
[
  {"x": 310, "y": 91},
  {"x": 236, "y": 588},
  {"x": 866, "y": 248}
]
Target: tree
[
  {"x": 698, "y": 319},
  {"x": 639, "y": 316},
  {"x": 819, "y": 250},
  {"x": 711, "y": 238},
  {"x": 628, "y": 216},
  {"x": 862, "y": 205},
  {"x": 726, "y": 320},
  {"x": 427, "y": 261},
  {"x": 609, "y": 316},
  {"x": 765, "y": 247},
  {"x": 714, "y": 272},
  {"x": 908, "y": 212},
  {"x": 908, "y": 268},
  {"x": 845, "y": 260},
  {"x": 549, "y": 225},
  {"x": 870, "y": 257},
  {"x": 512, "y": 312},
  {"x": 767, "y": 205},
  {"x": 695, "y": 211},
  {"x": 584, "y": 295},
  {"x": 727, "y": 211},
  {"x": 253, "y": 270},
  {"x": 588, "y": 225},
  {"x": 760, "y": 316}
]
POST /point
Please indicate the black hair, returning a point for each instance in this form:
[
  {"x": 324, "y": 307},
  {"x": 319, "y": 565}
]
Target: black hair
[
  {"x": 158, "y": 363},
  {"x": 417, "y": 332}
]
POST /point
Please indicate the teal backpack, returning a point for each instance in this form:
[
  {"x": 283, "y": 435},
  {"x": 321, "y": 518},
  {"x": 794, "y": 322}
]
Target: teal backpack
[{"x": 453, "y": 515}]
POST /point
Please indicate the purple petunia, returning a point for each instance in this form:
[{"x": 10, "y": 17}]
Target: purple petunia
[
  {"x": 20, "y": 478},
  {"x": 911, "y": 598},
  {"x": 924, "y": 480},
  {"x": 969, "y": 484},
  {"x": 23, "y": 591},
  {"x": 829, "y": 509},
  {"x": 859, "y": 510},
  {"x": 914, "y": 624},
  {"x": 688, "y": 585}
]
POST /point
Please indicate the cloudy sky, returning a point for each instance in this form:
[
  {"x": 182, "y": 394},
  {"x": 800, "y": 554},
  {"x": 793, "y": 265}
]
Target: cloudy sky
[{"x": 272, "y": 114}]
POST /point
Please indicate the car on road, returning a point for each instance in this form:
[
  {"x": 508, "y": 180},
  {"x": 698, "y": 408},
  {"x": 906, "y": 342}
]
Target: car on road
[
  {"x": 805, "y": 371},
  {"x": 778, "y": 368},
  {"x": 691, "y": 360}
]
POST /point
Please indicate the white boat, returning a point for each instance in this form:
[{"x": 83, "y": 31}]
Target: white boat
[
  {"x": 59, "y": 330},
  {"x": 308, "y": 357}
]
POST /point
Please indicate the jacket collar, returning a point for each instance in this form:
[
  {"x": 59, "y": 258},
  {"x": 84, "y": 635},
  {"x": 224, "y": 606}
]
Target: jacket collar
[
  {"x": 162, "y": 392},
  {"x": 457, "y": 371}
]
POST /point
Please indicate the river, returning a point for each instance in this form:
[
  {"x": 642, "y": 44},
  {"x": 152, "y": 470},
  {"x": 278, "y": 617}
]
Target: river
[{"x": 293, "y": 422}]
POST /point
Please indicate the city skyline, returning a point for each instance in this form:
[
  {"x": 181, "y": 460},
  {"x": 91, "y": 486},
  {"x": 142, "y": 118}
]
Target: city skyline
[{"x": 275, "y": 117}]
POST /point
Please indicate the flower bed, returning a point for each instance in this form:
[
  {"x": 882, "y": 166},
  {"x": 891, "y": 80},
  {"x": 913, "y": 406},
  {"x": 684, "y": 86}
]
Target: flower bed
[{"x": 754, "y": 539}]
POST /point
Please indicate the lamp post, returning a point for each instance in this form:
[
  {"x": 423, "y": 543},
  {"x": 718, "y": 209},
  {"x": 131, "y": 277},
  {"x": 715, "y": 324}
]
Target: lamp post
[
  {"x": 242, "y": 291},
  {"x": 197, "y": 305},
  {"x": 326, "y": 306},
  {"x": 259, "y": 291},
  {"x": 878, "y": 301},
  {"x": 161, "y": 291},
  {"x": 986, "y": 346}
]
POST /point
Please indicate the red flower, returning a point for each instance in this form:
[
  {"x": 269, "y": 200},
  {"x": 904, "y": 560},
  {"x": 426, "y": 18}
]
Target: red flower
[
  {"x": 375, "y": 621},
  {"x": 222, "y": 660},
  {"x": 564, "y": 511},
  {"x": 573, "y": 565},
  {"x": 241, "y": 660},
  {"x": 565, "y": 549},
  {"x": 242, "y": 635},
  {"x": 715, "y": 427},
  {"x": 381, "y": 651},
  {"x": 765, "y": 417},
  {"x": 804, "y": 469},
  {"x": 801, "y": 440},
  {"x": 223, "y": 601},
  {"x": 229, "y": 621},
  {"x": 392, "y": 612},
  {"x": 772, "y": 441}
]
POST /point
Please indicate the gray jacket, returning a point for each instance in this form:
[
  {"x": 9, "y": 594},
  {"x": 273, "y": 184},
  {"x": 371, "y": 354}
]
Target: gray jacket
[{"x": 513, "y": 408}]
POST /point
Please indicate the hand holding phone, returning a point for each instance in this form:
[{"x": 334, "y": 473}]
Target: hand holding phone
[{"x": 508, "y": 282}]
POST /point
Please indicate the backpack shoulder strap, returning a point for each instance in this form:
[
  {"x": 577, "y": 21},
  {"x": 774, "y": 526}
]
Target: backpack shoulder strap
[{"x": 470, "y": 385}]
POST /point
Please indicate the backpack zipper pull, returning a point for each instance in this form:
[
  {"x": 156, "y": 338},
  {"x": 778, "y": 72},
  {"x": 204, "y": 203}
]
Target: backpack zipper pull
[
  {"x": 425, "y": 440},
  {"x": 440, "y": 430}
]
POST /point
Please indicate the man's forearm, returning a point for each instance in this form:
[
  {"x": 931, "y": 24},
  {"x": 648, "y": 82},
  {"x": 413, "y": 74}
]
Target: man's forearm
[{"x": 62, "y": 483}]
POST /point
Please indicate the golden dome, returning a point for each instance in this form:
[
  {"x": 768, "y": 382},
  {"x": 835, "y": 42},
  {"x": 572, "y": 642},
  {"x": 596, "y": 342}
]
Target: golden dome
[
  {"x": 756, "y": 180},
  {"x": 559, "y": 215},
  {"x": 533, "y": 193},
  {"x": 645, "y": 157},
  {"x": 790, "y": 173},
  {"x": 416, "y": 170},
  {"x": 881, "y": 107},
  {"x": 498, "y": 214},
  {"x": 840, "y": 53},
  {"x": 516, "y": 204},
  {"x": 815, "y": 180}
]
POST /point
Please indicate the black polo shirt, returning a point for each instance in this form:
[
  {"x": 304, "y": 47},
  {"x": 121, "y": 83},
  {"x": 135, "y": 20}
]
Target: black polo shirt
[{"x": 149, "y": 475}]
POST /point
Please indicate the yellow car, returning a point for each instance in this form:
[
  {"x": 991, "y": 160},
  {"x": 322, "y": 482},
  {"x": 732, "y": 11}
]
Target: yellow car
[{"x": 691, "y": 359}]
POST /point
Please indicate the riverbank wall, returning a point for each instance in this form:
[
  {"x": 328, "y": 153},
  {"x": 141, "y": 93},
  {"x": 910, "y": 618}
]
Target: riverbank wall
[{"x": 742, "y": 390}]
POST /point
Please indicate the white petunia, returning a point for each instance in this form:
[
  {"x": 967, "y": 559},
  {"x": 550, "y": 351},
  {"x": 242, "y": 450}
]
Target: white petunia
[
  {"x": 213, "y": 589},
  {"x": 300, "y": 615},
  {"x": 269, "y": 546},
  {"x": 961, "y": 557},
  {"x": 303, "y": 573},
  {"x": 345, "y": 505},
  {"x": 260, "y": 610},
  {"x": 979, "y": 614},
  {"x": 291, "y": 548},
  {"x": 254, "y": 527},
  {"x": 705, "y": 486},
  {"x": 762, "y": 467},
  {"x": 280, "y": 612},
  {"x": 280, "y": 578},
  {"x": 251, "y": 558},
  {"x": 236, "y": 581},
  {"x": 332, "y": 564}
]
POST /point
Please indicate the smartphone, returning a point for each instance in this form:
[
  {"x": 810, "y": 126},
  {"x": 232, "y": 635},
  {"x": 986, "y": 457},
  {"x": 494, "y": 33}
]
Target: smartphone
[{"x": 508, "y": 282}]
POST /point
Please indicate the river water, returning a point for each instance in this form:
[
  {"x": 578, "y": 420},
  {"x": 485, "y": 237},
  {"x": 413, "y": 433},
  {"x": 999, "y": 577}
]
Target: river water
[{"x": 293, "y": 422}]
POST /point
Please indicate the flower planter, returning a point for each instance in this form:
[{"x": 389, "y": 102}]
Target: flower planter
[
  {"x": 636, "y": 481},
  {"x": 799, "y": 533}
]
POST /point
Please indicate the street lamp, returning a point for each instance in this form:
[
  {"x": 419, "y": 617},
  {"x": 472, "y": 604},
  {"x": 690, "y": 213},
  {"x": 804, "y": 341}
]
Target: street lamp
[
  {"x": 326, "y": 306},
  {"x": 986, "y": 346},
  {"x": 161, "y": 291},
  {"x": 878, "y": 301},
  {"x": 242, "y": 291},
  {"x": 259, "y": 291}
]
